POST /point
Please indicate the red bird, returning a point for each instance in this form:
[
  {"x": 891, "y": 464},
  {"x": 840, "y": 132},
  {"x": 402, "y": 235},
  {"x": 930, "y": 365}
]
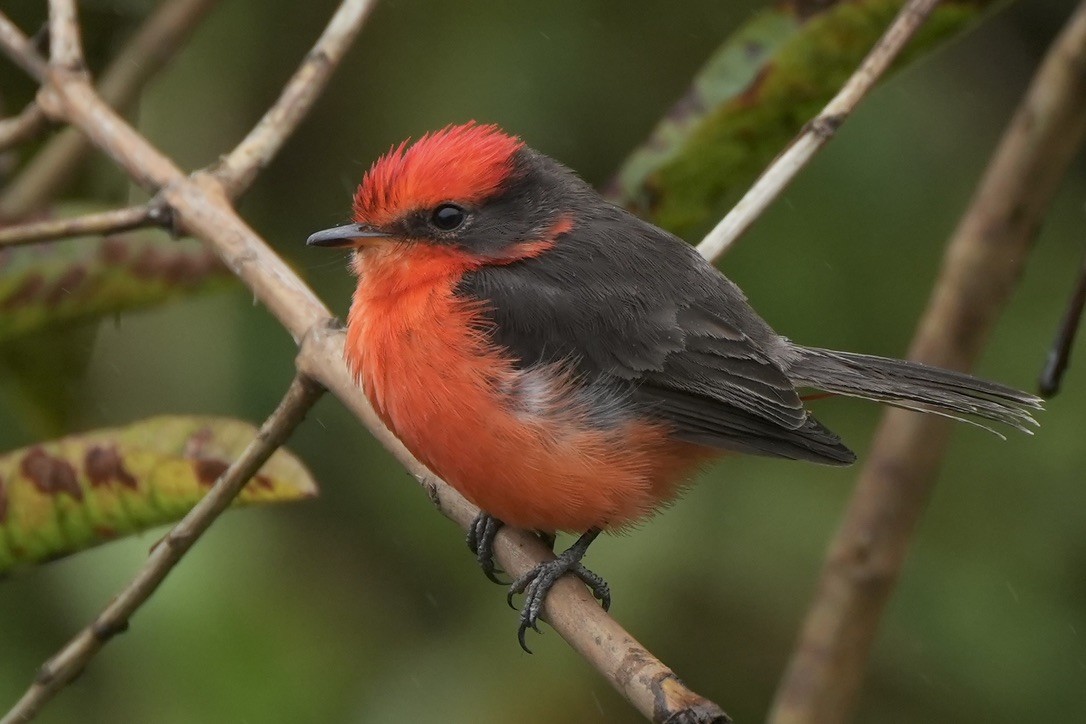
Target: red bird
[{"x": 565, "y": 365}]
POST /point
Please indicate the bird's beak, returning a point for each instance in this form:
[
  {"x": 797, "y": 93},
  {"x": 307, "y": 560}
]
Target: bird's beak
[{"x": 341, "y": 236}]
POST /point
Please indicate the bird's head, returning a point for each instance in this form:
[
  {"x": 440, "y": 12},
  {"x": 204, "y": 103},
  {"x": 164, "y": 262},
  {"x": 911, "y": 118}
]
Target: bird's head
[{"x": 471, "y": 188}]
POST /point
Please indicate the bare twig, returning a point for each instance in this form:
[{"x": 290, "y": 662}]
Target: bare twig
[
  {"x": 817, "y": 132},
  {"x": 23, "y": 127},
  {"x": 149, "y": 50},
  {"x": 152, "y": 46},
  {"x": 66, "y": 52},
  {"x": 19, "y": 48},
  {"x": 983, "y": 261},
  {"x": 237, "y": 170},
  {"x": 106, "y": 222},
  {"x": 1060, "y": 354},
  {"x": 203, "y": 208},
  {"x": 77, "y": 653}
]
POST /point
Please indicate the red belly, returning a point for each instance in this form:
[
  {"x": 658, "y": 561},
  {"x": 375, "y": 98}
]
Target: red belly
[{"x": 543, "y": 463}]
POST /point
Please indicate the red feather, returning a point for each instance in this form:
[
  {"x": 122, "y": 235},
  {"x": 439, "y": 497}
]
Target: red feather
[{"x": 466, "y": 163}]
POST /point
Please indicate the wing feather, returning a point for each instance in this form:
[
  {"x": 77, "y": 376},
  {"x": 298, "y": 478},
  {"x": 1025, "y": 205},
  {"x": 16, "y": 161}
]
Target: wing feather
[{"x": 627, "y": 303}]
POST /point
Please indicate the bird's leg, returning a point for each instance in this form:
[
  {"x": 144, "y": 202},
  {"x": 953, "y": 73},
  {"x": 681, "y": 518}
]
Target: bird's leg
[
  {"x": 537, "y": 583},
  {"x": 481, "y": 542}
]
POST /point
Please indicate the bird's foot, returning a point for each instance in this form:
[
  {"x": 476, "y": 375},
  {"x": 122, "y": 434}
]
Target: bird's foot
[
  {"x": 537, "y": 583},
  {"x": 481, "y": 536}
]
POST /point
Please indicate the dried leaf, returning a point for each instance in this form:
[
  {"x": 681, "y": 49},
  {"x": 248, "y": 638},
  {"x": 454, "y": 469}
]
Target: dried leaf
[
  {"x": 79, "y": 491},
  {"x": 753, "y": 96}
]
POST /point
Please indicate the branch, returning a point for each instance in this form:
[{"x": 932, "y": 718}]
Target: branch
[
  {"x": 19, "y": 48},
  {"x": 23, "y": 127},
  {"x": 237, "y": 170},
  {"x": 149, "y": 50},
  {"x": 1059, "y": 357},
  {"x": 70, "y": 661},
  {"x": 817, "y": 132},
  {"x": 152, "y": 46},
  {"x": 106, "y": 222},
  {"x": 65, "y": 50},
  {"x": 201, "y": 205},
  {"x": 982, "y": 263}
]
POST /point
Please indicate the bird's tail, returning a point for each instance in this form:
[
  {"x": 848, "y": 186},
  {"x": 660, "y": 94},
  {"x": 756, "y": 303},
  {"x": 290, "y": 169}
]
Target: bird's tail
[{"x": 913, "y": 386}]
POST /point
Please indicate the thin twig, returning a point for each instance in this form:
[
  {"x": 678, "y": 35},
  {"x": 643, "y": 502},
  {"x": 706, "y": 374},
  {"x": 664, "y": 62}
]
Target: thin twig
[
  {"x": 204, "y": 210},
  {"x": 982, "y": 264},
  {"x": 1059, "y": 357},
  {"x": 65, "y": 49},
  {"x": 77, "y": 653},
  {"x": 106, "y": 222},
  {"x": 21, "y": 128},
  {"x": 237, "y": 170},
  {"x": 152, "y": 46},
  {"x": 817, "y": 132},
  {"x": 19, "y": 48}
]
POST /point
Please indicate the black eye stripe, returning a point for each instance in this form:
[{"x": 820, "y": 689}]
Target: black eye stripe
[{"x": 447, "y": 217}]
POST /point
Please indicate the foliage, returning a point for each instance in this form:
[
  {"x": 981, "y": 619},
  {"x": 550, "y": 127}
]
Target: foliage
[
  {"x": 69, "y": 494},
  {"x": 753, "y": 96}
]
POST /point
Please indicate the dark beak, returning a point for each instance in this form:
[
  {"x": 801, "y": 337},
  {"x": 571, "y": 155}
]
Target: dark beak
[{"x": 342, "y": 236}]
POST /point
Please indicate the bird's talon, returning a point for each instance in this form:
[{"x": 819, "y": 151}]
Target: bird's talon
[
  {"x": 520, "y": 637},
  {"x": 601, "y": 591},
  {"x": 537, "y": 583},
  {"x": 493, "y": 578},
  {"x": 481, "y": 534}
]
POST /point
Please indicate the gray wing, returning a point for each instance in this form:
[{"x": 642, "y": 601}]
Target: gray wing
[{"x": 647, "y": 313}]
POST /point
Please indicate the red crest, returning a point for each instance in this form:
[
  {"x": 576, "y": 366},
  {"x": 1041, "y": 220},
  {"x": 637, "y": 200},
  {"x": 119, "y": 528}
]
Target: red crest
[{"x": 465, "y": 163}]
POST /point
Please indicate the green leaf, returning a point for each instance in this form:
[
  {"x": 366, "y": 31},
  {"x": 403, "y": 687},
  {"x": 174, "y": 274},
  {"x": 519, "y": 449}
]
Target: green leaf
[
  {"x": 753, "y": 96},
  {"x": 79, "y": 491},
  {"x": 55, "y": 283}
]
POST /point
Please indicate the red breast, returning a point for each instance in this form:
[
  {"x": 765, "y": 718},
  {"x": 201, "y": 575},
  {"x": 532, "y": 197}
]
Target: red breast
[{"x": 518, "y": 443}]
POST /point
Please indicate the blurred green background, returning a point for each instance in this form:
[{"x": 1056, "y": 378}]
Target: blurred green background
[{"x": 365, "y": 606}]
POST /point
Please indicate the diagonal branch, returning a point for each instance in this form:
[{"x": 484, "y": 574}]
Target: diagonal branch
[
  {"x": 982, "y": 264},
  {"x": 1059, "y": 357},
  {"x": 70, "y": 661},
  {"x": 817, "y": 132},
  {"x": 19, "y": 48},
  {"x": 149, "y": 50},
  {"x": 152, "y": 46},
  {"x": 237, "y": 170},
  {"x": 202, "y": 207},
  {"x": 106, "y": 222}
]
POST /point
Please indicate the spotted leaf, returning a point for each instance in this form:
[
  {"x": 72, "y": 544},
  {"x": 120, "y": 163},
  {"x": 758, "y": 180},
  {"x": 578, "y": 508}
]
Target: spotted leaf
[
  {"x": 72, "y": 493},
  {"x": 54, "y": 283}
]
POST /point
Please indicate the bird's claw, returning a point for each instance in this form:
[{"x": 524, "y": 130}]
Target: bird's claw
[
  {"x": 537, "y": 583},
  {"x": 480, "y": 540}
]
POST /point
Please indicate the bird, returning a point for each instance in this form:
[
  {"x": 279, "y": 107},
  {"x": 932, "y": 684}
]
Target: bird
[{"x": 568, "y": 366}]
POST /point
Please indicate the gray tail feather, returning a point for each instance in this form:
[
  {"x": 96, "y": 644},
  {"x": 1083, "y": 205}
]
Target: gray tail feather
[{"x": 914, "y": 386}]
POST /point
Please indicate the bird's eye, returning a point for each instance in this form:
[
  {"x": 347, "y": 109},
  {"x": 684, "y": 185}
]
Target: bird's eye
[{"x": 448, "y": 217}]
